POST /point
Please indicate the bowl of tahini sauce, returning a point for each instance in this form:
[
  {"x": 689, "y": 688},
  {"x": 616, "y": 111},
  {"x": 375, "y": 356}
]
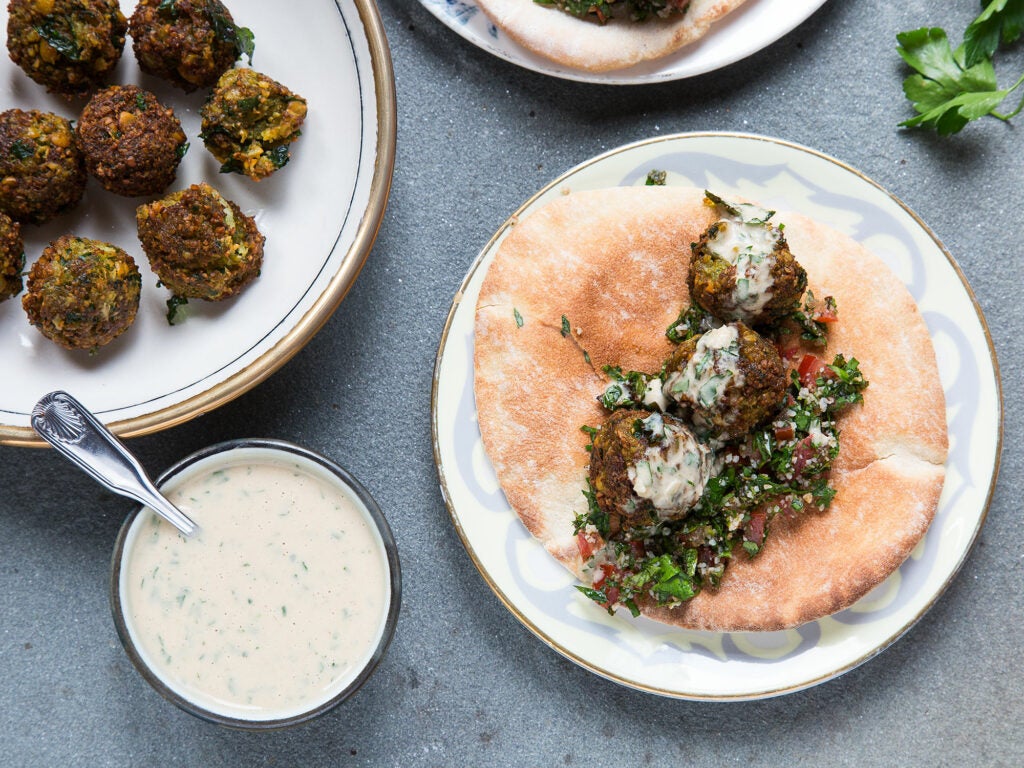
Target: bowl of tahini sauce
[{"x": 283, "y": 603}]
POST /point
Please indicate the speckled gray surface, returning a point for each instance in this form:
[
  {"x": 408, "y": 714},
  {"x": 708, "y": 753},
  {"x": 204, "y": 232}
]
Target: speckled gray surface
[{"x": 464, "y": 683}]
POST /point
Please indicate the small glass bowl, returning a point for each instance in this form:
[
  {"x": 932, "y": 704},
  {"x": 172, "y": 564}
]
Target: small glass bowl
[{"x": 208, "y": 460}]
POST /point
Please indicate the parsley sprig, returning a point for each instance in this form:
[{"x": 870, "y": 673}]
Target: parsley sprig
[{"x": 951, "y": 87}]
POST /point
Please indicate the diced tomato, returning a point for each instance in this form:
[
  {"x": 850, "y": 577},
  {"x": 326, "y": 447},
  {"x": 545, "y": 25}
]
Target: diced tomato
[
  {"x": 755, "y": 526},
  {"x": 804, "y": 454},
  {"x": 826, "y": 313},
  {"x": 588, "y": 544},
  {"x": 786, "y": 351},
  {"x": 606, "y": 570},
  {"x": 811, "y": 368},
  {"x": 784, "y": 433}
]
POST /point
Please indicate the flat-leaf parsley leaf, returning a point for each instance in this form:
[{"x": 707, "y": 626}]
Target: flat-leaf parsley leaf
[{"x": 950, "y": 87}]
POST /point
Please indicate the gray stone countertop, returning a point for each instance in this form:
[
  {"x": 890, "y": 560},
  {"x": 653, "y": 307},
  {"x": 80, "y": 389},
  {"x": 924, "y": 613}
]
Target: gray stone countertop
[{"x": 464, "y": 683}]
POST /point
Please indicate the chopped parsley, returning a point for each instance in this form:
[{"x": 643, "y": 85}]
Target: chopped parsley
[
  {"x": 656, "y": 178},
  {"x": 22, "y": 149},
  {"x": 56, "y": 36},
  {"x": 518, "y": 317},
  {"x": 174, "y": 309},
  {"x": 692, "y": 321}
]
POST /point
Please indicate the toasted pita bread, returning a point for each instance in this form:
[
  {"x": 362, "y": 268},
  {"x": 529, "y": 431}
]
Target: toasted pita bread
[
  {"x": 589, "y": 46},
  {"x": 614, "y": 263}
]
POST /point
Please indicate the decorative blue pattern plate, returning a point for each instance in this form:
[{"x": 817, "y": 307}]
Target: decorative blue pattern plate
[
  {"x": 705, "y": 665},
  {"x": 753, "y": 26}
]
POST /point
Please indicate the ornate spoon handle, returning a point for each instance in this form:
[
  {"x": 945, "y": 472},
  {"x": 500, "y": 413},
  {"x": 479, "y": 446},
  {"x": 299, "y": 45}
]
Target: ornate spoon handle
[{"x": 70, "y": 428}]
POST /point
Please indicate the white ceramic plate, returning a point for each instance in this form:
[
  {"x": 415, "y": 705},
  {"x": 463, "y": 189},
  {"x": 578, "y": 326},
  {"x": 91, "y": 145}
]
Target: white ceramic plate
[
  {"x": 320, "y": 214},
  {"x": 703, "y": 665},
  {"x": 753, "y": 26}
]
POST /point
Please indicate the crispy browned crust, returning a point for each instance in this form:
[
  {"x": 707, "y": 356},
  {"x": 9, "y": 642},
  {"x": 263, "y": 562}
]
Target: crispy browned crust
[
  {"x": 614, "y": 262},
  {"x": 586, "y": 45},
  {"x": 132, "y": 143}
]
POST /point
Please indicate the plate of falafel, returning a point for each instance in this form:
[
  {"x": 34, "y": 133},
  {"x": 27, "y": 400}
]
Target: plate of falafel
[{"x": 186, "y": 195}]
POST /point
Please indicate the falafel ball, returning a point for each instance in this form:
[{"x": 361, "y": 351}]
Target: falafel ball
[
  {"x": 69, "y": 46},
  {"x": 42, "y": 171},
  {"x": 742, "y": 268},
  {"x": 82, "y": 293},
  {"x": 190, "y": 43},
  {"x": 12, "y": 257},
  {"x": 647, "y": 467},
  {"x": 199, "y": 244},
  {"x": 729, "y": 379},
  {"x": 132, "y": 143},
  {"x": 249, "y": 121}
]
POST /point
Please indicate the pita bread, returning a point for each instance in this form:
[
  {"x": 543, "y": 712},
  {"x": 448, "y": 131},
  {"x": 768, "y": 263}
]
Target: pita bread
[
  {"x": 587, "y": 45},
  {"x": 614, "y": 263}
]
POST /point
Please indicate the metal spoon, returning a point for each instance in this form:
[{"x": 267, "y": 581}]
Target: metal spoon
[{"x": 69, "y": 427}]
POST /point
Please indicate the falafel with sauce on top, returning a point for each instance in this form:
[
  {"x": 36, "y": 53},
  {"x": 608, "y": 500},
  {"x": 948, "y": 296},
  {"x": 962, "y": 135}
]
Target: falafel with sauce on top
[
  {"x": 68, "y": 46},
  {"x": 12, "y": 257},
  {"x": 729, "y": 380},
  {"x": 742, "y": 268},
  {"x": 42, "y": 171},
  {"x": 200, "y": 244},
  {"x": 647, "y": 467},
  {"x": 189, "y": 43},
  {"x": 132, "y": 144},
  {"x": 249, "y": 121},
  {"x": 82, "y": 293}
]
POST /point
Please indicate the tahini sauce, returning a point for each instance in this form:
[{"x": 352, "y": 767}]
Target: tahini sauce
[{"x": 274, "y": 607}]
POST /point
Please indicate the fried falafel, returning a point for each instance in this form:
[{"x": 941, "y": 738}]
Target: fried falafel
[
  {"x": 189, "y": 43},
  {"x": 132, "y": 144},
  {"x": 742, "y": 268},
  {"x": 729, "y": 380},
  {"x": 199, "y": 244},
  {"x": 646, "y": 467},
  {"x": 82, "y": 293},
  {"x": 68, "y": 46},
  {"x": 12, "y": 257},
  {"x": 249, "y": 122},
  {"x": 42, "y": 171}
]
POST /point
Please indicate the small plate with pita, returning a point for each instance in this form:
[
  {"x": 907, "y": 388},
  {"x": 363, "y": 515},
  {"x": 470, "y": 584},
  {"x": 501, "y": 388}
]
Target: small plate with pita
[
  {"x": 718, "y": 33},
  {"x": 733, "y": 665}
]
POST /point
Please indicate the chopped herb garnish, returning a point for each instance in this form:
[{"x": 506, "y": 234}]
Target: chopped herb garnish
[
  {"x": 518, "y": 317},
  {"x": 566, "y": 328},
  {"x": 692, "y": 321},
  {"x": 656, "y": 179},
  {"x": 22, "y": 149},
  {"x": 241, "y": 37},
  {"x": 279, "y": 156},
  {"x": 174, "y": 305},
  {"x": 51, "y": 30}
]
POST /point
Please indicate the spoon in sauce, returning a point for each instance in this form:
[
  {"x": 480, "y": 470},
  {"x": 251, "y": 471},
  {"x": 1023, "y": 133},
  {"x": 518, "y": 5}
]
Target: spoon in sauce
[{"x": 69, "y": 427}]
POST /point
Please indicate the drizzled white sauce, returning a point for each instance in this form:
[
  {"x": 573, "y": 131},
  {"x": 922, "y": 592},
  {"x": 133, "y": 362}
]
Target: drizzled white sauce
[
  {"x": 750, "y": 247},
  {"x": 712, "y": 368},
  {"x": 275, "y": 606},
  {"x": 673, "y": 471}
]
